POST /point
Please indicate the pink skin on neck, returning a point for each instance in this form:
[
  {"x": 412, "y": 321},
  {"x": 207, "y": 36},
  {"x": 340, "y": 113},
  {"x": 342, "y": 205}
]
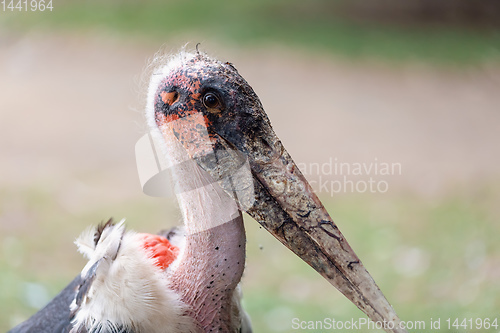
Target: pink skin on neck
[
  {"x": 209, "y": 271},
  {"x": 211, "y": 265}
]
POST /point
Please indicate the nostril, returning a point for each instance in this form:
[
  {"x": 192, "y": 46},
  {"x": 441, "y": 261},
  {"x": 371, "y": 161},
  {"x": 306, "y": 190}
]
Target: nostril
[{"x": 169, "y": 98}]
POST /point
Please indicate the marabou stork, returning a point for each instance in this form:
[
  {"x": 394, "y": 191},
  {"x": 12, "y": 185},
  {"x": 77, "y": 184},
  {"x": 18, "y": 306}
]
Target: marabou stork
[{"x": 224, "y": 158}]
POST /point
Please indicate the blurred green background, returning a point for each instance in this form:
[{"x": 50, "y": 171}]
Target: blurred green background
[
  {"x": 412, "y": 82},
  {"x": 446, "y": 31}
]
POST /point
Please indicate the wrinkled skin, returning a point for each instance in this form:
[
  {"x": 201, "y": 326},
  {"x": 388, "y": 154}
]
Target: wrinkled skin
[{"x": 220, "y": 121}]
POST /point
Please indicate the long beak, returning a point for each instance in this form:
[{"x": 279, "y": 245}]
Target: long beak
[
  {"x": 300, "y": 221},
  {"x": 274, "y": 192}
]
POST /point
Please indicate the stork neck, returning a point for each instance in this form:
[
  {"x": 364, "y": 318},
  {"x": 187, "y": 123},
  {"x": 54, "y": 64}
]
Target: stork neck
[
  {"x": 208, "y": 273},
  {"x": 211, "y": 264}
]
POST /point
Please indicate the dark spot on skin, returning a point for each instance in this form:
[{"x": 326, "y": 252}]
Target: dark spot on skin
[
  {"x": 217, "y": 248},
  {"x": 351, "y": 263},
  {"x": 304, "y": 215},
  {"x": 324, "y": 223}
]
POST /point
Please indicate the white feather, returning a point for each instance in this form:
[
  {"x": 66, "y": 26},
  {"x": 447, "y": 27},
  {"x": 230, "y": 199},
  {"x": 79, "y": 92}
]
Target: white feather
[{"x": 129, "y": 291}]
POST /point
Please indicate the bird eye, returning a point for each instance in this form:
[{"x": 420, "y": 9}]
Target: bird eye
[{"x": 211, "y": 101}]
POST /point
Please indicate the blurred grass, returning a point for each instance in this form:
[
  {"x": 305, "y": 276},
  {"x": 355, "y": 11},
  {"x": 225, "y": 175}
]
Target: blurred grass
[
  {"x": 431, "y": 259},
  {"x": 436, "y": 259},
  {"x": 312, "y": 25}
]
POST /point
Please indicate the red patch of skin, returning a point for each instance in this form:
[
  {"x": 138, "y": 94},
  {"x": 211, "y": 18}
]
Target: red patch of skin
[
  {"x": 160, "y": 249},
  {"x": 190, "y": 126},
  {"x": 190, "y": 130}
]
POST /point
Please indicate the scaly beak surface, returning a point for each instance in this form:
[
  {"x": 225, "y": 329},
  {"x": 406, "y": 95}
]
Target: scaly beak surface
[{"x": 279, "y": 197}]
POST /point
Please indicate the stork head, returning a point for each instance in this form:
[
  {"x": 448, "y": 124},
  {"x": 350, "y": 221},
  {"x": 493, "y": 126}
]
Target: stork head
[
  {"x": 217, "y": 118},
  {"x": 123, "y": 285}
]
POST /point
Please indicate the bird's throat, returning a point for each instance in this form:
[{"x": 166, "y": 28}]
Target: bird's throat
[
  {"x": 208, "y": 273},
  {"x": 211, "y": 263}
]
